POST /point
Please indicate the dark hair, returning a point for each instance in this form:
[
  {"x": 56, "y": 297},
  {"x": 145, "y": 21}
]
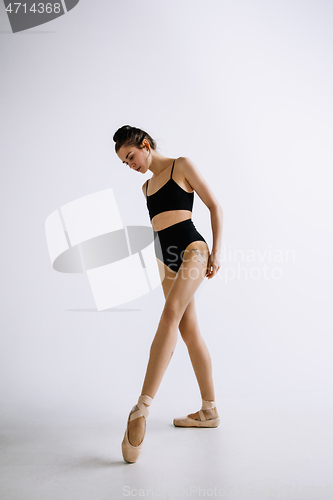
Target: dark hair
[{"x": 131, "y": 136}]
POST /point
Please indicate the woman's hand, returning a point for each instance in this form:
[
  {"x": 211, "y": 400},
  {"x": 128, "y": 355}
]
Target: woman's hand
[{"x": 213, "y": 265}]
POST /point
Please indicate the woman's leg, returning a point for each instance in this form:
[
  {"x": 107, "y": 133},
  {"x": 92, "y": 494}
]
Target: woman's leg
[
  {"x": 189, "y": 277},
  {"x": 200, "y": 357},
  {"x": 197, "y": 348}
]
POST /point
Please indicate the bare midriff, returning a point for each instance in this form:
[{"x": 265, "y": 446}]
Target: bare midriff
[{"x": 166, "y": 219}]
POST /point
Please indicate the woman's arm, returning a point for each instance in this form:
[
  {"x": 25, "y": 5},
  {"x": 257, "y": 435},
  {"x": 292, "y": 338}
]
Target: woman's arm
[
  {"x": 203, "y": 190},
  {"x": 214, "y": 262},
  {"x": 144, "y": 188},
  {"x": 216, "y": 217}
]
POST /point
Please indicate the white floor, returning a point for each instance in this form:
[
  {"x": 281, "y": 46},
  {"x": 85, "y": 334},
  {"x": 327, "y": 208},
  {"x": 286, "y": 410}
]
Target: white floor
[{"x": 268, "y": 446}]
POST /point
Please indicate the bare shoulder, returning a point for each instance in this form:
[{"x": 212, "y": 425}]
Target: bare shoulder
[
  {"x": 186, "y": 163},
  {"x": 198, "y": 182},
  {"x": 188, "y": 168}
]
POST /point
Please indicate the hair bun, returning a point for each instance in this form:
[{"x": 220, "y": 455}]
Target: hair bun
[
  {"x": 121, "y": 133},
  {"x": 133, "y": 136}
]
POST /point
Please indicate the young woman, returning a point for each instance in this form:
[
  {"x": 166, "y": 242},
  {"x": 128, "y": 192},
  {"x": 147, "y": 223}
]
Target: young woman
[{"x": 184, "y": 261}]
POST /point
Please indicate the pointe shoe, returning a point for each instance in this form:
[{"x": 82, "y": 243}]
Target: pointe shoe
[
  {"x": 131, "y": 453},
  {"x": 187, "y": 421}
]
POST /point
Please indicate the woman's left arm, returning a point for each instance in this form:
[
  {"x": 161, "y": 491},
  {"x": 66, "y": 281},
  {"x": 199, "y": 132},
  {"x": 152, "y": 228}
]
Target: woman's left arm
[{"x": 201, "y": 187}]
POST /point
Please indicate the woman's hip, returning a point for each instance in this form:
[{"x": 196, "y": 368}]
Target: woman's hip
[{"x": 176, "y": 237}]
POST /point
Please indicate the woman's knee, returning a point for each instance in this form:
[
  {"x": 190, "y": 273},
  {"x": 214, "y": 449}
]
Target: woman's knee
[
  {"x": 172, "y": 312},
  {"x": 190, "y": 337},
  {"x": 189, "y": 332}
]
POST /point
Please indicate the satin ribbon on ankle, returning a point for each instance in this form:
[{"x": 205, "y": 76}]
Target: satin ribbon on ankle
[
  {"x": 143, "y": 410},
  {"x": 208, "y": 405}
]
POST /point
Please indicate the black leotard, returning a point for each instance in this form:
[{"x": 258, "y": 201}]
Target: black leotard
[
  {"x": 171, "y": 242},
  {"x": 169, "y": 197}
]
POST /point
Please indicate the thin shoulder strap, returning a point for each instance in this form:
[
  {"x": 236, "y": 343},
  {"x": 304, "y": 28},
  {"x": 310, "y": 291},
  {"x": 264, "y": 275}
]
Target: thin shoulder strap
[
  {"x": 172, "y": 168},
  {"x": 147, "y": 186}
]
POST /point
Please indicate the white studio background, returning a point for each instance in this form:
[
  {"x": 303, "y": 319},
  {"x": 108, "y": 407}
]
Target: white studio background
[{"x": 243, "y": 88}]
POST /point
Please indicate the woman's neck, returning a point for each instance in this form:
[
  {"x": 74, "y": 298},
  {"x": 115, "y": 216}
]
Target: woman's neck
[{"x": 159, "y": 162}]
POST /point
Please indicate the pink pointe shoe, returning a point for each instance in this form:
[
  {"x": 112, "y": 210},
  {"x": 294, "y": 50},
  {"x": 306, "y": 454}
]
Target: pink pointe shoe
[
  {"x": 131, "y": 453},
  {"x": 203, "y": 422}
]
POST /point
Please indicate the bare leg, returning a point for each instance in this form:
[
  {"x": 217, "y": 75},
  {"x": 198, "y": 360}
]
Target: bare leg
[
  {"x": 197, "y": 348},
  {"x": 200, "y": 357},
  {"x": 183, "y": 287}
]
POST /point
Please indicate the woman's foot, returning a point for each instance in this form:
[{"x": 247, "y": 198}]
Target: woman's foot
[
  {"x": 136, "y": 429},
  {"x": 206, "y": 417},
  {"x": 209, "y": 414}
]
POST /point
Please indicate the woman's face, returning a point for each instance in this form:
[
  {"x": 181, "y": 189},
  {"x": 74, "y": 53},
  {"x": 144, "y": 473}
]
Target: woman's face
[{"x": 135, "y": 158}]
